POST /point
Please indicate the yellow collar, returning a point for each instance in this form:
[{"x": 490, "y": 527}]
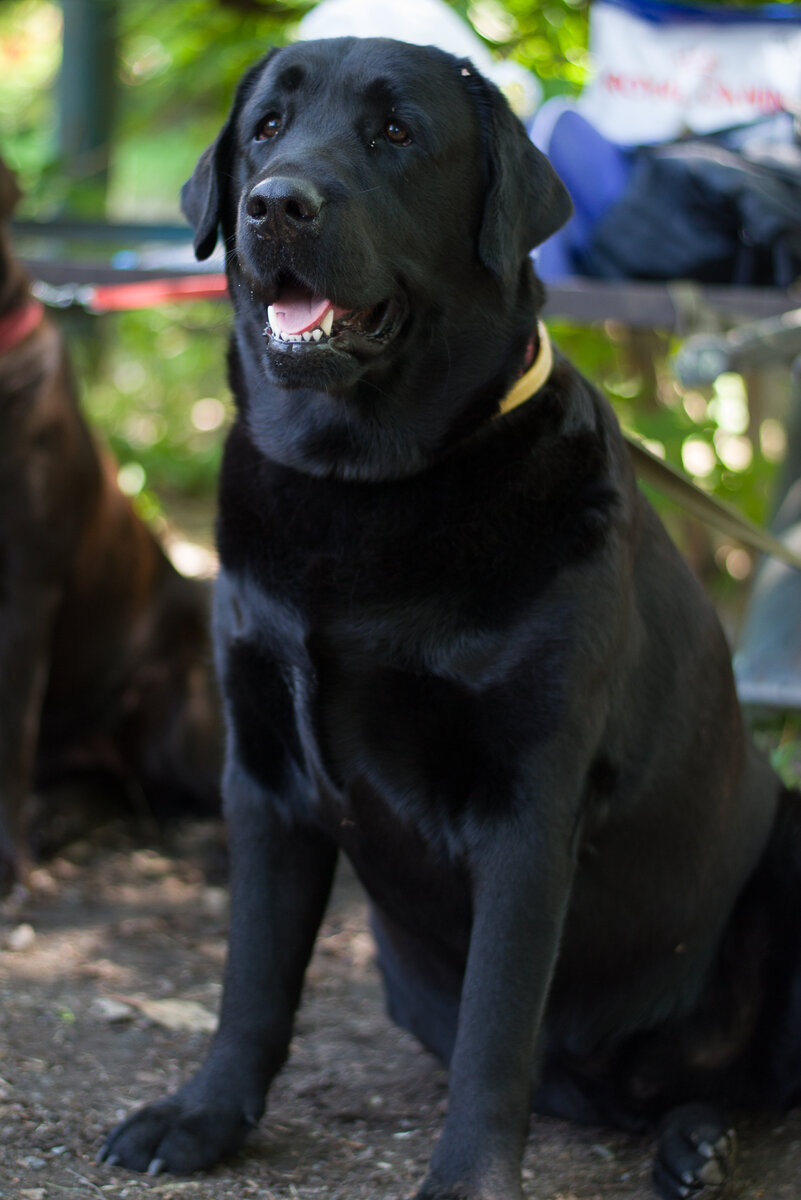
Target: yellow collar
[{"x": 534, "y": 378}]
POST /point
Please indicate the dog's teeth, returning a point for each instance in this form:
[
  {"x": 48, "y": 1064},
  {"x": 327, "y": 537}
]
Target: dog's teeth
[
  {"x": 327, "y": 322},
  {"x": 271, "y": 317},
  {"x": 307, "y": 336},
  {"x": 317, "y": 334},
  {"x": 295, "y": 337}
]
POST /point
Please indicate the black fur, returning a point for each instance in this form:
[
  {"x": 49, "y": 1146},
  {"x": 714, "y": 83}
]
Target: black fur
[{"x": 462, "y": 649}]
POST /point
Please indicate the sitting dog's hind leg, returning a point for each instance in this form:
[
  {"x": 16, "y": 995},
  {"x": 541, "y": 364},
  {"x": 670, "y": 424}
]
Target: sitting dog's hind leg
[
  {"x": 560, "y": 1092},
  {"x": 695, "y": 1155}
]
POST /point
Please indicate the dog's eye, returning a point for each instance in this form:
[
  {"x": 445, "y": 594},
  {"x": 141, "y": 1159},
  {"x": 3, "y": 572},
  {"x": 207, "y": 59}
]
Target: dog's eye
[
  {"x": 268, "y": 128},
  {"x": 396, "y": 134}
]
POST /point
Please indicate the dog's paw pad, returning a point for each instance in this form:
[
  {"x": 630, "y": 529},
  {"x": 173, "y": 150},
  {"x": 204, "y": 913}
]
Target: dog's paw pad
[{"x": 695, "y": 1155}]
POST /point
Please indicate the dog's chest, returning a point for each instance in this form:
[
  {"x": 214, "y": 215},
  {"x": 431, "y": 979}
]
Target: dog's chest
[
  {"x": 394, "y": 696},
  {"x": 402, "y": 637},
  {"x": 372, "y": 688},
  {"x": 388, "y": 754}
]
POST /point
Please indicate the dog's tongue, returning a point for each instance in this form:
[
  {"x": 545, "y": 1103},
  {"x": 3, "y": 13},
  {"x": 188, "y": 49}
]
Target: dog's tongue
[{"x": 296, "y": 310}]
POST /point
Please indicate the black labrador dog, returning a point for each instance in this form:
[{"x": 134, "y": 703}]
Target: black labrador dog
[
  {"x": 106, "y": 681},
  {"x": 456, "y": 643}
]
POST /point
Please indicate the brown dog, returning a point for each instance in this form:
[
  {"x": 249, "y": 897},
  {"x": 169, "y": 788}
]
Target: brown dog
[{"x": 103, "y": 645}]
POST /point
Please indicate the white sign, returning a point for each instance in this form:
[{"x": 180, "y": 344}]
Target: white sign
[{"x": 656, "y": 80}]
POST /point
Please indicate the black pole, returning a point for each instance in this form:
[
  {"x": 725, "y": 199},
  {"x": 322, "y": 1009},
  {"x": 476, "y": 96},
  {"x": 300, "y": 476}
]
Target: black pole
[{"x": 86, "y": 94}]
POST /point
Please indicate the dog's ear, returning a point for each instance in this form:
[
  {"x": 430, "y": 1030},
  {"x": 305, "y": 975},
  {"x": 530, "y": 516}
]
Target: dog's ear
[
  {"x": 525, "y": 201},
  {"x": 202, "y": 196}
]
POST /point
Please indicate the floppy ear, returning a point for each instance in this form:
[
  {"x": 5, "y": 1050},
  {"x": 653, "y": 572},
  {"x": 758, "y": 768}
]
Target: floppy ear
[
  {"x": 525, "y": 201},
  {"x": 202, "y": 196}
]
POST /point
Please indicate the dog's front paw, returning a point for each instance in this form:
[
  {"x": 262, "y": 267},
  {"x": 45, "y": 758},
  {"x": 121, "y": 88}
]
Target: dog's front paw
[
  {"x": 176, "y": 1136},
  {"x": 695, "y": 1155}
]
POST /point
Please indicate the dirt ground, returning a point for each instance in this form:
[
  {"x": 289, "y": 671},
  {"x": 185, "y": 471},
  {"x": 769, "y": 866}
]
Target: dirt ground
[{"x": 123, "y": 936}]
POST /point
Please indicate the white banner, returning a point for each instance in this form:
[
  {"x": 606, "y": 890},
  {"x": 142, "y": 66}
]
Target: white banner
[{"x": 656, "y": 80}]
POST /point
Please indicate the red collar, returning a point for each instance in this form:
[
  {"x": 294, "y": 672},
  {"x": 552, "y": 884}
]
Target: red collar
[{"x": 16, "y": 325}]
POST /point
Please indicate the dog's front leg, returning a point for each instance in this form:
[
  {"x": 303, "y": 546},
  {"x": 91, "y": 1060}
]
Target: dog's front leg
[
  {"x": 521, "y": 885},
  {"x": 281, "y": 874},
  {"x": 26, "y": 620}
]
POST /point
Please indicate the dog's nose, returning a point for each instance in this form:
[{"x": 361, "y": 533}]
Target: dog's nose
[{"x": 282, "y": 203}]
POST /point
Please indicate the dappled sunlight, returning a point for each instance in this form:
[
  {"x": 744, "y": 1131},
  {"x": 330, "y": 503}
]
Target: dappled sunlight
[
  {"x": 50, "y": 956},
  {"x": 190, "y": 558}
]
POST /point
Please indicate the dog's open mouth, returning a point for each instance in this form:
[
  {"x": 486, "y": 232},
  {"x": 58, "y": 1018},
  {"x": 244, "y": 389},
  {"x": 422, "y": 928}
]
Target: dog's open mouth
[{"x": 299, "y": 318}]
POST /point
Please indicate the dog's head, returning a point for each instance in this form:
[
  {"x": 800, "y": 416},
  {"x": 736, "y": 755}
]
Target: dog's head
[{"x": 378, "y": 203}]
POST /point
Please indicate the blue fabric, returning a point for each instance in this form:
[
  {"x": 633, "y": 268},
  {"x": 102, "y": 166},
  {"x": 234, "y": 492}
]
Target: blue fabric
[
  {"x": 595, "y": 172},
  {"x": 695, "y": 208},
  {"x": 664, "y": 12}
]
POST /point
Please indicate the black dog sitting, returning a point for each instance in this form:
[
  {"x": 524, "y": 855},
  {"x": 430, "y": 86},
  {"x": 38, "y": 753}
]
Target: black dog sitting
[
  {"x": 456, "y": 643},
  {"x": 104, "y": 648}
]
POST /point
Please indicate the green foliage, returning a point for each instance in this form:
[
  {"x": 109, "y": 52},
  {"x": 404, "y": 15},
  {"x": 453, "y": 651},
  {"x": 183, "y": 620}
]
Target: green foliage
[
  {"x": 154, "y": 382},
  {"x": 30, "y": 56},
  {"x": 549, "y": 38},
  {"x": 708, "y": 433},
  {"x": 780, "y": 738}
]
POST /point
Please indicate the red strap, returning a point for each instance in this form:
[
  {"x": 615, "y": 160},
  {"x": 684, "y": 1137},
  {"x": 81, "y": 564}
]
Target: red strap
[
  {"x": 16, "y": 325},
  {"x": 116, "y": 297}
]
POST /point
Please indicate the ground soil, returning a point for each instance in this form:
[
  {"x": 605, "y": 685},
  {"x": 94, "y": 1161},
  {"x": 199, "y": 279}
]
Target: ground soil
[{"x": 116, "y": 923}]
